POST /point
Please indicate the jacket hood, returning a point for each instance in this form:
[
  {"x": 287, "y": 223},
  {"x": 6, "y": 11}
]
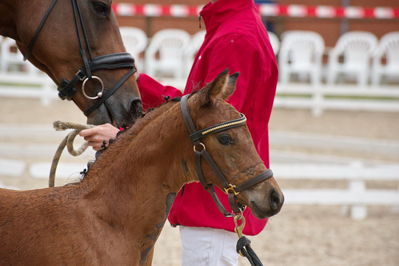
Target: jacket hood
[{"x": 214, "y": 14}]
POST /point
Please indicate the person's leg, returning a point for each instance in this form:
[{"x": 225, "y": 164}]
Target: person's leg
[{"x": 208, "y": 247}]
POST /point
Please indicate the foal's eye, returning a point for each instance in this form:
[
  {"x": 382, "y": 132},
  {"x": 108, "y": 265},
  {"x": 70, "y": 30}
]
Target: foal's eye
[
  {"x": 225, "y": 139},
  {"x": 101, "y": 8}
]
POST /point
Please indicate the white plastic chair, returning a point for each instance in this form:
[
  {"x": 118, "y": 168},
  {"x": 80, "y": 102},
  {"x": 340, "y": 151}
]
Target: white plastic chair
[
  {"x": 192, "y": 48},
  {"x": 301, "y": 53},
  {"x": 387, "y": 48},
  {"x": 12, "y": 60},
  {"x": 11, "y": 57},
  {"x": 274, "y": 41},
  {"x": 135, "y": 41},
  {"x": 355, "y": 48},
  {"x": 165, "y": 54}
]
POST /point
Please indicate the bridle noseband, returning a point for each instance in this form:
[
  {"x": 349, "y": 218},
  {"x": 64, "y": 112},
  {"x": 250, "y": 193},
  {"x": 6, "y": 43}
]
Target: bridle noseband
[
  {"x": 67, "y": 88},
  {"x": 200, "y": 151}
]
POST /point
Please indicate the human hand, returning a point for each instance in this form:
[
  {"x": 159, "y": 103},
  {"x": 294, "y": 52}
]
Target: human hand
[{"x": 99, "y": 136}]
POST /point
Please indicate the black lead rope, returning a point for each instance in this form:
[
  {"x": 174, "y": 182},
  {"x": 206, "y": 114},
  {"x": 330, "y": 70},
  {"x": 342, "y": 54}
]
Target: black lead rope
[
  {"x": 244, "y": 249},
  {"x": 243, "y": 246}
]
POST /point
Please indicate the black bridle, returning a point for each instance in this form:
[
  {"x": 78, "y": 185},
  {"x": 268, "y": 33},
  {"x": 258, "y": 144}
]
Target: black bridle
[
  {"x": 67, "y": 88},
  {"x": 200, "y": 151}
]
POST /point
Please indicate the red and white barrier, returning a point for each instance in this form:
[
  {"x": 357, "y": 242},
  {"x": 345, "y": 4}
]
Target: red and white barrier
[
  {"x": 270, "y": 10},
  {"x": 154, "y": 10}
]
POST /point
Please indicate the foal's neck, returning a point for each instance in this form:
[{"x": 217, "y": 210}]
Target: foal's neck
[{"x": 138, "y": 172}]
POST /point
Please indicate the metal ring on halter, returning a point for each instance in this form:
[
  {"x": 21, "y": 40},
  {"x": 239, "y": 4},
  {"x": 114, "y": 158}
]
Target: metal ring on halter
[
  {"x": 199, "y": 147},
  {"x": 99, "y": 94}
]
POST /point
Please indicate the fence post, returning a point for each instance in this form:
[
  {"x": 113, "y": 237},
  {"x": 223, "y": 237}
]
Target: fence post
[
  {"x": 318, "y": 98},
  {"x": 46, "y": 88},
  {"x": 356, "y": 187}
]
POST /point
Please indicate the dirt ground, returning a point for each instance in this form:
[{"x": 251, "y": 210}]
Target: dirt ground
[{"x": 299, "y": 235}]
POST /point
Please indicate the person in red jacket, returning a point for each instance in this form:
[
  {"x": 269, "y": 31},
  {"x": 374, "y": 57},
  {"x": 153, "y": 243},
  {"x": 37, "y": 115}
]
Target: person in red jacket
[{"x": 235, "y": 39}]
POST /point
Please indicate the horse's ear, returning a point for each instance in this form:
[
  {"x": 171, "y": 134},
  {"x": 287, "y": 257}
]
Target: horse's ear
[{"x": 221, "y": 87}]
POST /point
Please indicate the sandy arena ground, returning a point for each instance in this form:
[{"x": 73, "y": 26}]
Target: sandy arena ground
[{"x": 299, "y": 235}]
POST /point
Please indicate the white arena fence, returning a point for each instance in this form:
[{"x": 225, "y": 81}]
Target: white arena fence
[
  {"x": 338, "y": 97},
  {"x": 22, "y": 85},
  {"x": 356, "y": 197},
  {"x": 19, "y": 78},
  {"x": 340, "y": 181}
]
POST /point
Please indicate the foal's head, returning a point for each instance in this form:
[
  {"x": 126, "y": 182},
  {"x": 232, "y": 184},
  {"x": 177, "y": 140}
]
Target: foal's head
[
  {"x": 70, "y": 28},
  {"x": 232, "y": 149}
]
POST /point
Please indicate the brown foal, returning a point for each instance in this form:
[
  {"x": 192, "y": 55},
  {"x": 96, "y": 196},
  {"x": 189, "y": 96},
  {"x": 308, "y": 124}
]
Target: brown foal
[{"x": 115, "y": 215}]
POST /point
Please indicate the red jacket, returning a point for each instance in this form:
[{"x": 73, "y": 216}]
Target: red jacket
[{"x": 235, "y": 39}]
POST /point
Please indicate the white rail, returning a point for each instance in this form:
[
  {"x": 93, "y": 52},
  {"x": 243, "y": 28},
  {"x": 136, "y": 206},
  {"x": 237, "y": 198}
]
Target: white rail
[
  {"x": 22, "y": 85},
  {"x": 357, "y": 196},
  {"x": 338, "y": 97}
]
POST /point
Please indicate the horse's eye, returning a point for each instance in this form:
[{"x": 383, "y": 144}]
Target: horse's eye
[
  {"x": 101, "y": 8},
  {"x": 225, "y": 139}
]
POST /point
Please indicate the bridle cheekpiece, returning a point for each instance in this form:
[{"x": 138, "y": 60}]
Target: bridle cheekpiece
[
  {"x": 196, "y": 136},
  {"x": 67, "y": 88}
]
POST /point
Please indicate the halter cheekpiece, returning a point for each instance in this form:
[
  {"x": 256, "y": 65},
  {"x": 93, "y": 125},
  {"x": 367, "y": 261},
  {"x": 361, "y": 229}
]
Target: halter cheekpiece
[{"x": 200, "y": 151}]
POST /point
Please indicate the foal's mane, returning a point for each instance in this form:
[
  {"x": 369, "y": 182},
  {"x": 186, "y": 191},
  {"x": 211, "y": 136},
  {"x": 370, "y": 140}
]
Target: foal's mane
[
  {"x": 124, "y": 139},
  {"x": 142, "y": 122}
]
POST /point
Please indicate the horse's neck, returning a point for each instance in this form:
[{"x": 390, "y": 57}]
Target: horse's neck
[
  {"x": 8, "y": 15},
  {"x": 131, "y": 182},
  {"x": 20, "y": 18}
]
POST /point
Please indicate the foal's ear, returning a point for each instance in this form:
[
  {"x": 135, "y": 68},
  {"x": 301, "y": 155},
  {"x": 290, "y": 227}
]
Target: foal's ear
[
  {"x": 221, "y": 87},
  {"x": 231, "y": 86}
]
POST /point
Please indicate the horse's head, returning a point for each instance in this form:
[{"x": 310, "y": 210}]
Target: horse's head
[
  {"x": 78, "y": 44},
  {"x": 225, "y": 151}
]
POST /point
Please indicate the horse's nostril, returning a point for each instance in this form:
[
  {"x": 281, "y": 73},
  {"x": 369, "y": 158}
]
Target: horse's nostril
[
  {"x": 275, "y": 201},
  {"x": 136, "y": 108}
]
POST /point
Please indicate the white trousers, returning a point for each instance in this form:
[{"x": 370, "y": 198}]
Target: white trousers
[{"x": 208, "y": 247}]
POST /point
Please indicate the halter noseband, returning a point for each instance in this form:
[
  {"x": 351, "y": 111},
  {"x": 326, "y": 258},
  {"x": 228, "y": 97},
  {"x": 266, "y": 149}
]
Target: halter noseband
[
  {"x": 200, "y": 151},
  {"x": 67, "y": 88}
]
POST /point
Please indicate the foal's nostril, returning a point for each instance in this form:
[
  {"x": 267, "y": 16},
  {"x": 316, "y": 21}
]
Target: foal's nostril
[{"x": 275, "y": 201}]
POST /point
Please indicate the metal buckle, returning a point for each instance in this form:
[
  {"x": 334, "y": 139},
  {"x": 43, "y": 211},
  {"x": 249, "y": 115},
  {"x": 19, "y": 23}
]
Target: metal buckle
[
  {"x": 231, "y": 189},
  {"x": 80, "y": 75},
  {"x": 239, "y": 224}
]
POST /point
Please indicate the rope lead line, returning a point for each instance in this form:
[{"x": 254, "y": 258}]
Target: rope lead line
[
  {"x": 67, "y": 141},
  {"x": 245, "y": 250},
  {"x": 243, "y": 246}
]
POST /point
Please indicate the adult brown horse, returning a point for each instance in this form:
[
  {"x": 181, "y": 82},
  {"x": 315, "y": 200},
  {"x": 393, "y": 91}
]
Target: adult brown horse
[
  {"x": 115, "y": 215},
  {"x": 78, "y": 44}
]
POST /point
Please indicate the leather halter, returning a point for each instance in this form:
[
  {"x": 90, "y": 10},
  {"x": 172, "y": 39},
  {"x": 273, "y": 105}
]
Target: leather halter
[
  {"x": 67, "y": 88},
  {"x": 200, "y": 151}
]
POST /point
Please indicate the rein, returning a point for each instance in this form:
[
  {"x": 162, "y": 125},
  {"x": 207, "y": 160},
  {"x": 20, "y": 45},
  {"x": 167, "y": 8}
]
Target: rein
[{"x": 67, "y": 88}]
